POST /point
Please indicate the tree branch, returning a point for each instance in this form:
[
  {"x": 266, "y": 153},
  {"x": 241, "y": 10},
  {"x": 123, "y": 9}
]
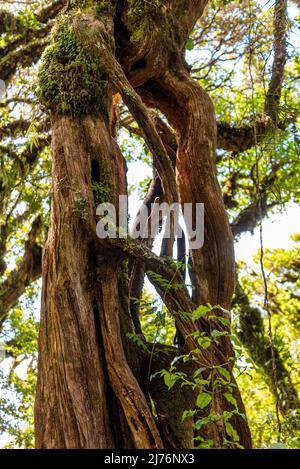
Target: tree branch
[
  {"x": 234, "y": 138},
  {"x": 28, "y": 270},
  {"x": 275, "y": 86}
]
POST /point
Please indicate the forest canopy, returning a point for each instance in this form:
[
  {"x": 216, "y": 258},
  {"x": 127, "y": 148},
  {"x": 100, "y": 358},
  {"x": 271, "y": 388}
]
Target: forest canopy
[{"x": 160, "y": 100}]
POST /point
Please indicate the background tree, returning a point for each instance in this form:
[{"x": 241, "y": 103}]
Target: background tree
[{"x": 283, "y": 280}]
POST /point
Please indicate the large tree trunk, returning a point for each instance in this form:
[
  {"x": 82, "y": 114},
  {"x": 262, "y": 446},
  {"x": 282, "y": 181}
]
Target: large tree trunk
[
  {"x": 71, "y": 403},
  {"x": 93, "y": 389},
  {"x": 81, "y": 352}
]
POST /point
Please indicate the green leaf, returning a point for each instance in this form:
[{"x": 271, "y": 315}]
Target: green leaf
[
  {"x": 278, "y": 446},
  {"x": 225, "y": 373},
  {"x": 199, "y": 312},
  {"x": 203, "y": 400},
  {"x": 188, "y": 413},
  {"x": 198, "y": 424},
  {"x": 190, "y": 44},
  {"x": 230, "y": 399},
  {"x": 169, "y": 379},
  {"x": 231, "y": 432},
  {"x": 199, "y": 371},
  {"x": 223, "y": 321},
  {"x": 204, "y": 342},
  {"x": 215, "y": 333}
]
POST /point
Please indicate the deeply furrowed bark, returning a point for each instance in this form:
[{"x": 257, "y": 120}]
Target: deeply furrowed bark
[
  {"x": 78, "y": 301},
  {"x": 71, "y": 401},
  {"x": 90, "y": 385}
]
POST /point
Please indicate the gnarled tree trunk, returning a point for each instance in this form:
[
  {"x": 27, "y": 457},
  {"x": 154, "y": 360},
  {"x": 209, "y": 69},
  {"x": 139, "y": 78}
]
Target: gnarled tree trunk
[{"x": 93, "y": 389}]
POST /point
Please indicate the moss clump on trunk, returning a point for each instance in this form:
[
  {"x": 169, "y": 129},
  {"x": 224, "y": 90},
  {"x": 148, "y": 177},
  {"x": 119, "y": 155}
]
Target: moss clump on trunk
[
  {"x": 105, "y": 7},
  {"x": 70, "y": 82},
  {"x": 144, "y": 16}
]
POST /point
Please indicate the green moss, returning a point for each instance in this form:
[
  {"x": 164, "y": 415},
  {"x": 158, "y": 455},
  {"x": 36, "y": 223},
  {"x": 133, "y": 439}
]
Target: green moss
[
  {"x": 81, "y": 207},
  {"x": 146, "y": 18},
  {"x": 86, "y": 4},
  {"x": 105, "y": 7},
  {"x": 70, "y": 82},
  {"x": 143, "y": 16},
  {"x": 82, "y": 5}
]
